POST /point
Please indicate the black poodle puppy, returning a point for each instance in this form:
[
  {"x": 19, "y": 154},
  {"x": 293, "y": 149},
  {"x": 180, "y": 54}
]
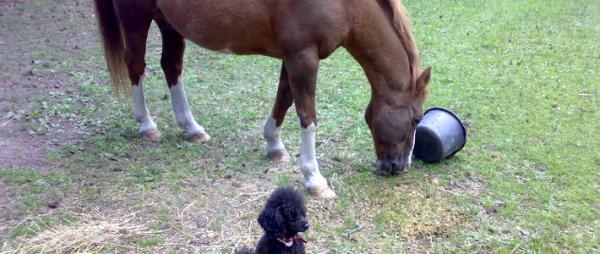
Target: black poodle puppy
[{"x": 282, "y": 218}]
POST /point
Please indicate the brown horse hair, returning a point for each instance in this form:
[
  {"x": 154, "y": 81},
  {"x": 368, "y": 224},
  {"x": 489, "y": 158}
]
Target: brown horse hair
[
  {"x": 401, "y": 24},
  {"x": 114, "y": 47}
]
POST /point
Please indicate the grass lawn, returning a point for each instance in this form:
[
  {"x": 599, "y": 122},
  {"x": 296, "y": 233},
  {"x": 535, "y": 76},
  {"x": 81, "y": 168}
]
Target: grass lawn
[{"x": 523, "y": 75}]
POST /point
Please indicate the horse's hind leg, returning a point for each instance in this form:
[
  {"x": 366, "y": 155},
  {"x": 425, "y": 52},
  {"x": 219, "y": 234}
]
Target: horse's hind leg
[
  {"x": 172, "y": 65},
  {"x": 272, "y": 129},
  {"x": 136, "y": 32},
  {"x": 302, "y": 69}
]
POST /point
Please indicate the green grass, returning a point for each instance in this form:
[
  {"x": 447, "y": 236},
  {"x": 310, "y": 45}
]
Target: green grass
[{"x": 522, "y": 75}]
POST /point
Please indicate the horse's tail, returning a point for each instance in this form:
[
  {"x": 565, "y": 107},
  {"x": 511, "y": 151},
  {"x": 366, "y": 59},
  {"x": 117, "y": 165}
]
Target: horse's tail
[{"x": 114, "y": 46}]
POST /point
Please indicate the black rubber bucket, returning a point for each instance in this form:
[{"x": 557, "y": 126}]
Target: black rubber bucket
[{"x": 440, "y": 134}]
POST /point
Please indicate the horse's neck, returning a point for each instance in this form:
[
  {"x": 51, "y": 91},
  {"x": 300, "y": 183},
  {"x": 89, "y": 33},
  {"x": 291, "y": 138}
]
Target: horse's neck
[{"x": 378, "y": 49}]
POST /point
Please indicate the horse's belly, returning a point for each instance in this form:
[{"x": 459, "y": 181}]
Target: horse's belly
[{"x": 239, "y": 27}]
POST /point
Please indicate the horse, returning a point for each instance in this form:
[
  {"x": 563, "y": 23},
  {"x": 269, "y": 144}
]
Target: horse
[{"x": 377, "y": 33}]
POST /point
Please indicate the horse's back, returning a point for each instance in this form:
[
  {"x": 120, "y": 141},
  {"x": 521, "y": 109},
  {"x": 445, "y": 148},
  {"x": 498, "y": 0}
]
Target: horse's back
[{"x": 267, "y": 27}]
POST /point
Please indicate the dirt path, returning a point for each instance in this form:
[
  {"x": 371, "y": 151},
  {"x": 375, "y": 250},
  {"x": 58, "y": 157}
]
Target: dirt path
[
  {"x": 18, "y": 147},
  {"x": 33, "y": 41},
  {"x": 40, "y": 42}
]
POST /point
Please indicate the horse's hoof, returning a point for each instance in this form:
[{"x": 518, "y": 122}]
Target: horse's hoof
[
  {"x": 152, "y": 135},
  {"x": 198, "y": 137},
  {"x": 323, "y": 192},
  {"x": 278, "y": 155}
]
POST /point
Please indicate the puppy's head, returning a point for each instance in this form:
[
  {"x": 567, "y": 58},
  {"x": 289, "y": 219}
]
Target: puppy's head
[{"x": 284, "y": 214}]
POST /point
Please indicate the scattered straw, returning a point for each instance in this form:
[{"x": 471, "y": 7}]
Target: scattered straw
[{"x": 91, "y": 233}]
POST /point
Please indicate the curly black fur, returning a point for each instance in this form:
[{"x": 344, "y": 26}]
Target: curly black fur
[{"x": 283, "y": 217}]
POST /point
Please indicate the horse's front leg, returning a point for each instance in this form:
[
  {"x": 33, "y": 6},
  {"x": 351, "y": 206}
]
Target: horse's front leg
[
  {"x": 302, "y": 70},
  {"x": 272, "y": 129}
]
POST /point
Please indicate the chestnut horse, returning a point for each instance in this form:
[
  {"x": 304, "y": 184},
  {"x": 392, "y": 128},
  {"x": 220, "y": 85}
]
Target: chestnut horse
[{"x": 300, "y": 32}]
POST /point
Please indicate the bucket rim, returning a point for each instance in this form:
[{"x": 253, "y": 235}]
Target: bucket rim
[{"x": 459, "y": 122}]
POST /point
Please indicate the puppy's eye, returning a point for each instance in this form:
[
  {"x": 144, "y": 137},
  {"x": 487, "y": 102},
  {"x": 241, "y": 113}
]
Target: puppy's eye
[{"x": 293, "y": 214}]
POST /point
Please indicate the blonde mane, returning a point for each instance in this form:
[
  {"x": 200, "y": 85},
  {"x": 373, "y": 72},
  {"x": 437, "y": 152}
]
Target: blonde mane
[{"x": 401, "y": 24}]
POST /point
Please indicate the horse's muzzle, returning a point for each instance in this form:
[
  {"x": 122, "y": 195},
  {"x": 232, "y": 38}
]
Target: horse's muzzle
[{"x": 392, "y": 165}]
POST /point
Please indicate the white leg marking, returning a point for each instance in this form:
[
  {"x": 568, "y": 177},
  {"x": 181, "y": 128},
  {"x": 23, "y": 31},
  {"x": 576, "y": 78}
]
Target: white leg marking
[
  {"x": 272, "y": 135},
  {"x": 181, "y": 109},
  {"x": 409, "y": 159},
  {"x": 308, "y": 159},
  {"x": 140, "y": 110},
  {"x": 315, "y": 182}
]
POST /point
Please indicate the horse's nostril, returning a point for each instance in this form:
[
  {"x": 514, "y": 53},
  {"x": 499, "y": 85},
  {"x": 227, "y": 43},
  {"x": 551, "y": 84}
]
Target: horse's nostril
[
  {"x": 391, "y": 166},
  {"x": 395, "y": 165},
  {"x": 398, "y": 166},
  {"x": 385, "y": 165}
]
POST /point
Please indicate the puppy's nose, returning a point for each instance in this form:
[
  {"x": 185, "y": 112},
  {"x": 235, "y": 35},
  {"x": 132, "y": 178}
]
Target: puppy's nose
[{"x": 306, "y": 226}]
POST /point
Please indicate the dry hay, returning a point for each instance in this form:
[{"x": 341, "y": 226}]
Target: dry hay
[
  {"x": 226, "y": 224},
  {"x": 90, "y": 233}
]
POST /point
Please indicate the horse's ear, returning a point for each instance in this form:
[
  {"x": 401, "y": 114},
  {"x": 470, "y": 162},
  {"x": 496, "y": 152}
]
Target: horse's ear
[{"x": 423, "y": 80}]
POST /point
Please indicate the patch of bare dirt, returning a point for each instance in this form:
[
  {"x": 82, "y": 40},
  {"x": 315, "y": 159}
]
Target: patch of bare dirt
[
  {"x": 33, "y": 42},
  {"x": 36, "y": 38},
  {"x": 9, "y": 2},
  {"x": 19, "y": 148},
  {"x": 7, "y": 201}
]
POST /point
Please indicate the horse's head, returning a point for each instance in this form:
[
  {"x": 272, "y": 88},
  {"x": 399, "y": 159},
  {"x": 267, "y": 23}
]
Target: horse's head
[{"x": 393, "y": 119}]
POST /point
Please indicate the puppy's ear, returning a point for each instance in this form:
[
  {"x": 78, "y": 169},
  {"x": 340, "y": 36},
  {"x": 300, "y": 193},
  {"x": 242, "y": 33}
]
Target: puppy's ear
[{"x": 271, "y": 220}]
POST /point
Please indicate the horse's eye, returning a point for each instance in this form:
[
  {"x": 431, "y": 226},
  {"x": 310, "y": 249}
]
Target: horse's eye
[{"x": 416, "y": 121}]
